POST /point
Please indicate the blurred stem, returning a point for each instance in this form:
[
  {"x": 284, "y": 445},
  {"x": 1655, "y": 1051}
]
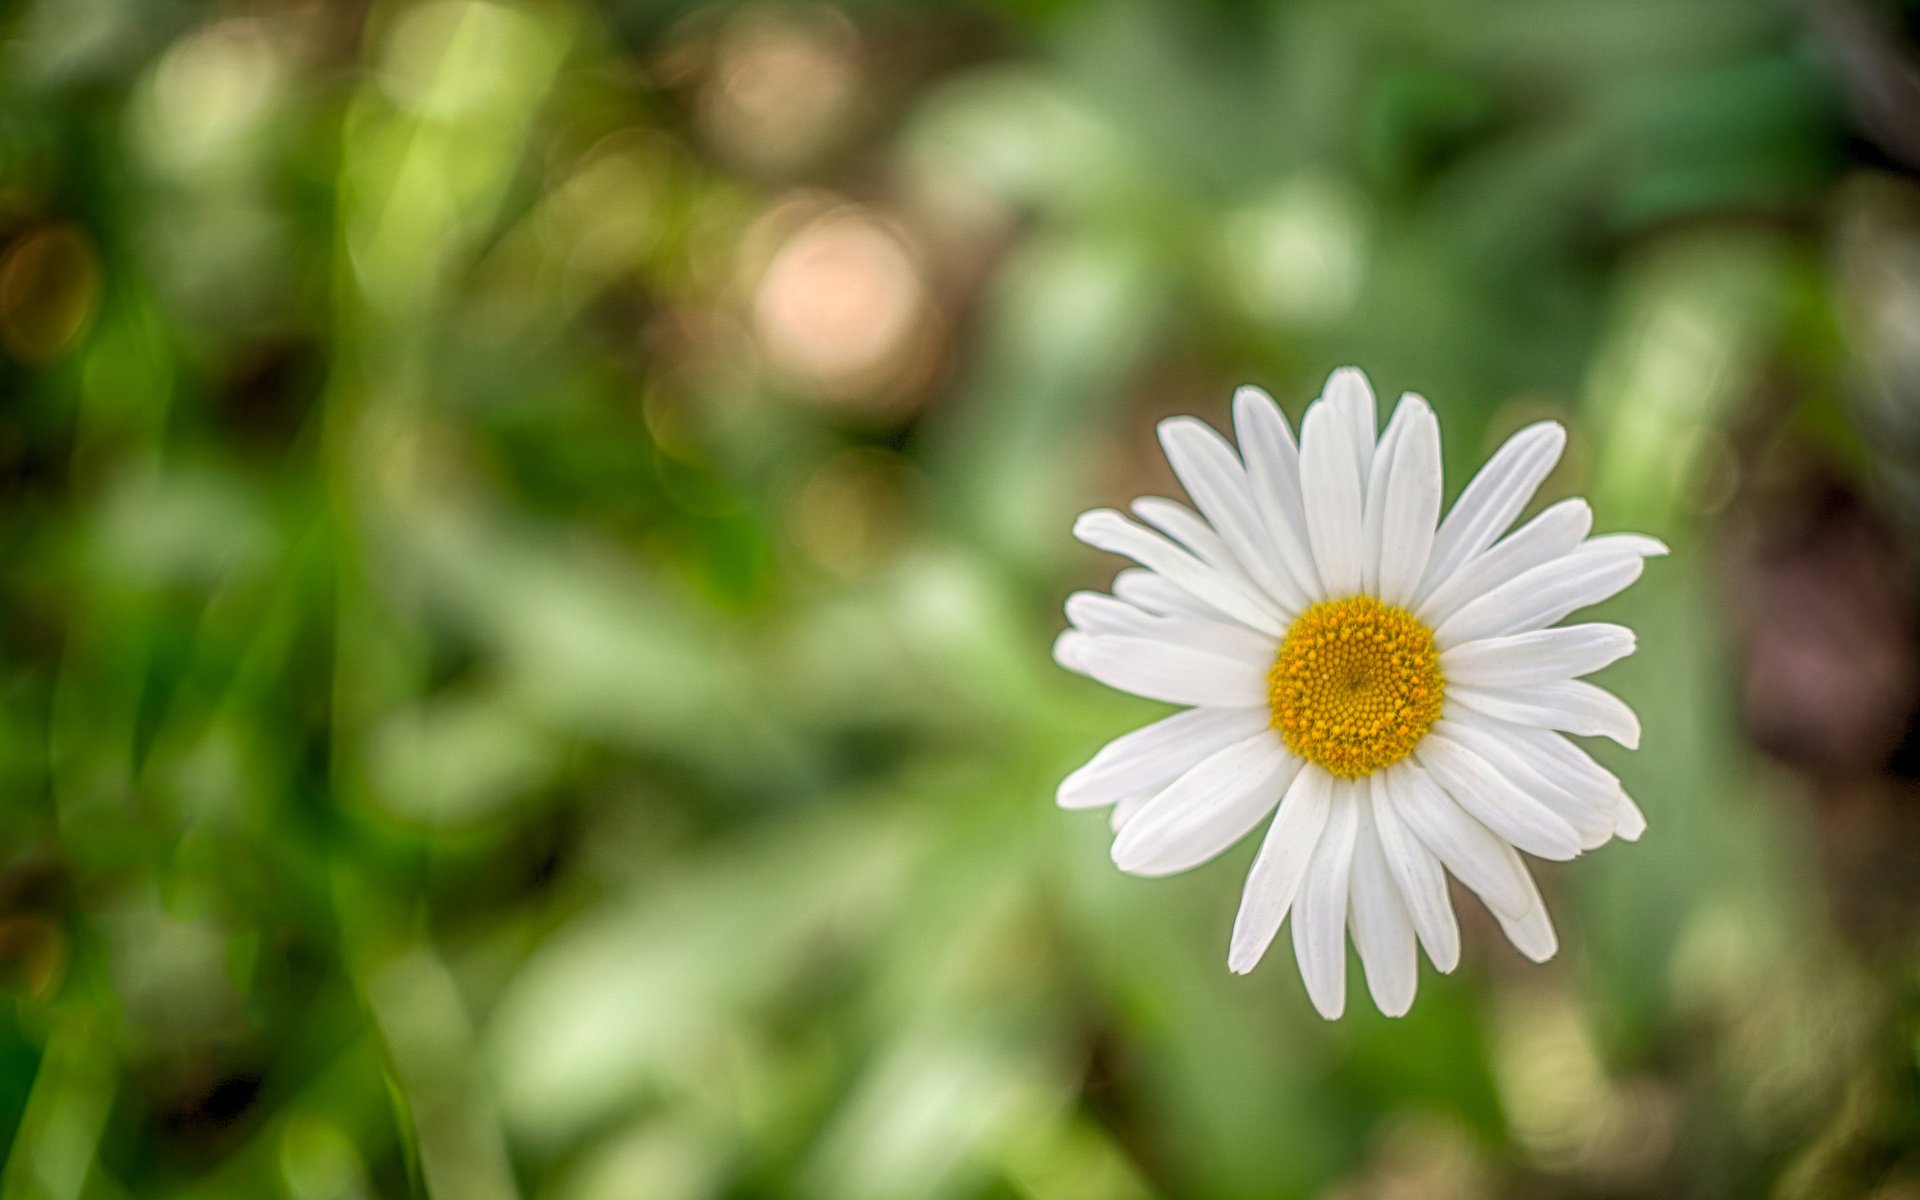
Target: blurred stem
[{"x": 55, "y": 1148}]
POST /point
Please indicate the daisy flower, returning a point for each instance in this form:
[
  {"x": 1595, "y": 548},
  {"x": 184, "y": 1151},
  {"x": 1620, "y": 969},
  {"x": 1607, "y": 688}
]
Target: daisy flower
[{"x": 1388, "y": 686}]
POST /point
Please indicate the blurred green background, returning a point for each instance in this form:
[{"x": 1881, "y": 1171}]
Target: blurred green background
[{"x": 532, "y": 531}]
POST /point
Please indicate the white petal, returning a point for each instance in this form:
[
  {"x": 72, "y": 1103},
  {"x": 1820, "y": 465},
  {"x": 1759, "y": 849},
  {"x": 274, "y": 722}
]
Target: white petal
[
  {"x": 1273, "y": 475},
  {"x": 1281, "y": 865},
  {"x": 1494, "y": 498},
  {"x": 1105, "y": 616},
  {"x": 1562, "y": 762},
  {"x": 1629, "y": 821},
  {"x": 1213, "y": 475},
  {"x": 1485, "y": 864},
  {"x": 1537, "y": 598},
  {"x": 1628, "y": 543},
  {"x": 1332, "y": 483},
  {"x": 1494, "y": 802},
  {"x": 1543, "y": 656},
  {"x": 1107, "y": 530},
  {"x": 1208, "y": 809},
  {"x": 1556, "y": 531},
  {"x": 1125, "y": 808},
  {"x": 1569, "y": 705},
  {"x": 1349, "y": 393},
  {"x": 1532, "y": 932},
  {"x": 1373, "y": 488},
  {"x": 1152, "y": 756},
  {"x": 1216, "y": 637},
  {"x": 1155, "y": 593},
  {"x": 1382, "y": 931},
  {"x": 1320, "y": 909},
  {"x": 1534, "y": 776},
  {"x": 1175, "y": 674},
  {"x": 1066, "y": 650},
  {"x": 1418, "y": 874},
  {"x": 1400, "y": 522},
  {"x": 1191, "y": 530},
  {"x": 1092, "y": 612}
]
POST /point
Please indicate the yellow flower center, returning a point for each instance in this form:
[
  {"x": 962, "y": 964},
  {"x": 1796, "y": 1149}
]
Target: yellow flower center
[{"x": 1356, "y": 685}]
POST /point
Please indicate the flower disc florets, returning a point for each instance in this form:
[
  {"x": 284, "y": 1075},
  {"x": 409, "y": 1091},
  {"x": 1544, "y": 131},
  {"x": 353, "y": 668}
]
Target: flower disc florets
[{"x": 1356, "y": 685}]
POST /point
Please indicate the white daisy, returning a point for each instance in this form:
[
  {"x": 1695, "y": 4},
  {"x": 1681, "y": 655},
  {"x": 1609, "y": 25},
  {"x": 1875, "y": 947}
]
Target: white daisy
[{"x": 1387, "y": 679}]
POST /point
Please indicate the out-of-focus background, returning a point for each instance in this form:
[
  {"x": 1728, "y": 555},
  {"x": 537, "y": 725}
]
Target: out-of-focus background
[{"x": 530, "y": 534}]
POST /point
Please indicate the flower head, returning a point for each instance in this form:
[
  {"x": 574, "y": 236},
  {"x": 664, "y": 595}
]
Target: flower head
[{"x": 1390, "y": 687}]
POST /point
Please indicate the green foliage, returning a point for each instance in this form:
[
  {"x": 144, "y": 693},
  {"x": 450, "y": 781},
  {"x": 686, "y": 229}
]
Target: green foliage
[{"x": 533, "y": 531}]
